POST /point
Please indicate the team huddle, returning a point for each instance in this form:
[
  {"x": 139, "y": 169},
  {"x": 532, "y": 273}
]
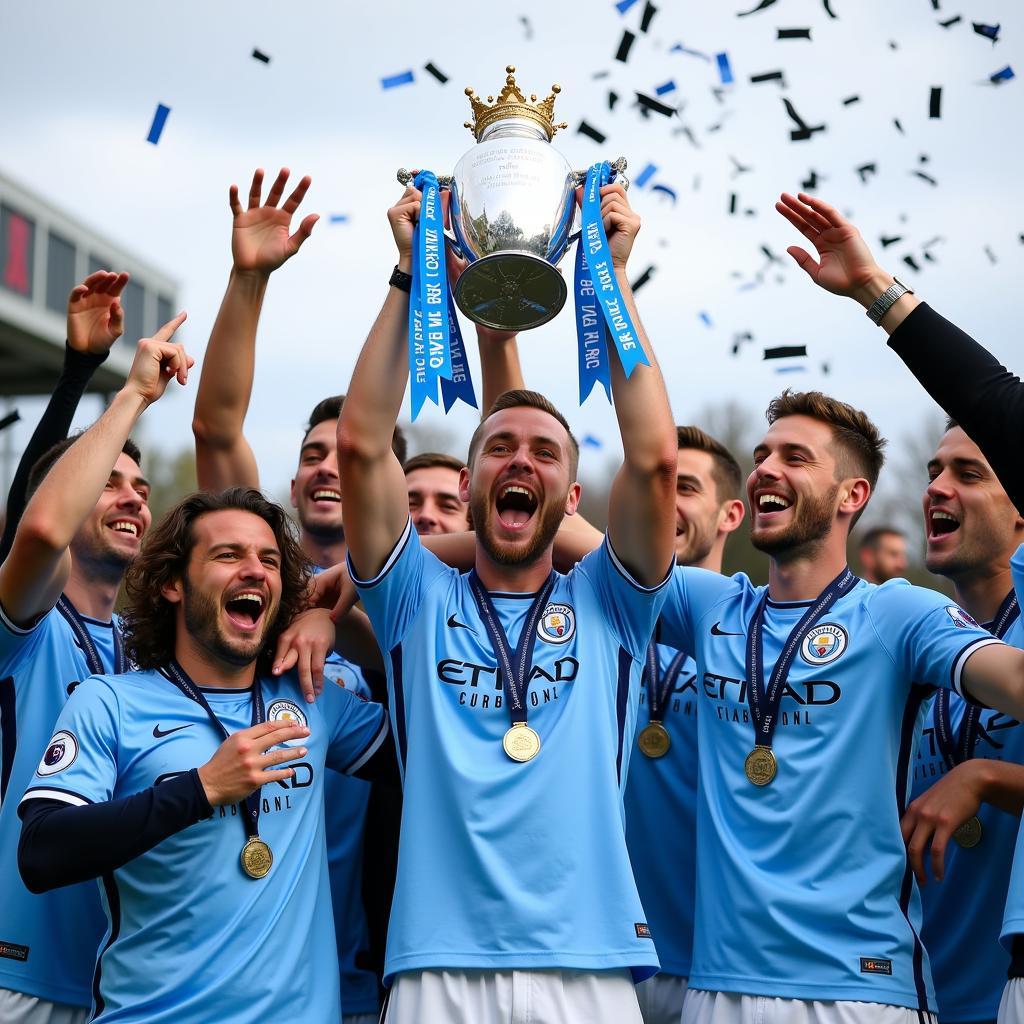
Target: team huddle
[{"x": 438, "y": 750}]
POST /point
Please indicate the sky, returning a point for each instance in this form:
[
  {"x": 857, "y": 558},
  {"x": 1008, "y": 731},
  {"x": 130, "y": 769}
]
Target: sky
[{"x": 80, "y": 87}]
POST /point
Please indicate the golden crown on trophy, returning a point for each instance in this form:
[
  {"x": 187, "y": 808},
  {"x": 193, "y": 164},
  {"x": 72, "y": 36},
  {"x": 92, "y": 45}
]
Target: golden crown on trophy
[{"x": 512, "y": 102}]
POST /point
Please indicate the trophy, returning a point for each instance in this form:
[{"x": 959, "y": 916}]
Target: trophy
[{"x": 513, "y": 211}]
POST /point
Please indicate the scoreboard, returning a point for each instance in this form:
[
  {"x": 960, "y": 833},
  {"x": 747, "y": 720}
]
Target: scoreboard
[{"x": 44, "y": 252}]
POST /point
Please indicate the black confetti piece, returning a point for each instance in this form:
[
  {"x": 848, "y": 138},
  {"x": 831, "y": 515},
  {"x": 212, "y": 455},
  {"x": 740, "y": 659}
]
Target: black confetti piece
[
  {"x": 591, "y": 132},
  {"x": 434, "y": 70},
  {"x": 935, "y": 5},
  {"x": 924, "y": 177},
  {"x": 990, "y": 254},
  {"x": 768, "y": 76},
  {"x": 650, "y": 103},
  {"x": 600, "y": 74},
  {"x": 850, "y": 100},
  {"x": 10, "y": 419},
  {"x": 738, "y": 167},
  {"x": 785, "y": 351},
  {"x": 950, "y": 22},
  {"x": 769, "y": 255},
  {"x": 828, "y": 9},
  {"x": 643, "y": 279},
  {"x": 648, "y": 16},
  {"x": 732, "y": 202},
  {"x": 259, "y": 55},
  {"x": 622, "y": 53},
  {"x": 794, "y": 33},
  {"x": 911, "y": 262},
  {"x": 988, "y": 31},
  {"x": 527, "y": 27},
  {"x": 890, "y": 240},
  {"x": 935, "y": 102},
  {"x": 899, "y": 127},
  {"x": 803, "y": 130},
  {"x": 810, "y": 183},
  {"x": 613, "y": 98},
  {"x": 865, "y": 170},
  {"x": 763, "y": 5}
]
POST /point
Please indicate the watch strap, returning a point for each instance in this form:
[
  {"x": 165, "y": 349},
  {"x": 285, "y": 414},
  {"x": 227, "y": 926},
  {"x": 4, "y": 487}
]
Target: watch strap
[
  {"x": 877, "y": 310},
  {"x": 400, "y": 279}
]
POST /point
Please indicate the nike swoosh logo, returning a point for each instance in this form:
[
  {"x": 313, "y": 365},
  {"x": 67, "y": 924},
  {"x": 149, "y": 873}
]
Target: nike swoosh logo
[
  {"x": 715, "y": 631},
  {"x": 159, "y": 733},
  {"x": 453, "y": 623}
]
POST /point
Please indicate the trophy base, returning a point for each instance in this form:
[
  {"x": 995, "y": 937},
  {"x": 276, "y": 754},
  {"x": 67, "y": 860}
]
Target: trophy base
[{"x": 510, "y": 291}]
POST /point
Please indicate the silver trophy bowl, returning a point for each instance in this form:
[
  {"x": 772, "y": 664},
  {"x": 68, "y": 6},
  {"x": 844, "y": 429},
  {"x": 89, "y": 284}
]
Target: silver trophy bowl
[{"x": 513, "y": 214}]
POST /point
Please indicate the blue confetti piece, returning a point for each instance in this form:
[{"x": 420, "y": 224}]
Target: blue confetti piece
[
  {"x": 159, "y": 120},
  {"x": 403, "y": 78},
  {"x": 665, "y": 87},
  {"x": 679, "y": 48},
  {"x": 705, "y": 319},
  {"x": 664, "y": 188},
  {"x": 724, "y": 70},
  {"x": 790, "y": 369},
  {"x": 624, "y": 5},
  {"x": 645, "y": 175},
  {"x": 589, "y": 441},
  {"x": 1002, "y": 76},
  {"x": 339, "y": 218}
]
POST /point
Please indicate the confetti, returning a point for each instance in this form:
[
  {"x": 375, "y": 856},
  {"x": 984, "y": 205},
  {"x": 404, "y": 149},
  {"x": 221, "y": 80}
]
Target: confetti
[
  {"x": 803, "y": 131},
  {"x": 785, "y": 351},
  {"x": 392, "y": 81},
  {"x": 924, "y": 177},
  {"x": 850, "y": 100},
  {"x": 768, "y": 76},
  {"x": 622, "y": 54},
  {"x": 259, "y": 55},
  {"x": 643, "y": 279},
  {"x": 666, "y": 190},
  {"x": 679, "y": 48},
  {"x": 811, "y": 181},
  {"x": 828, "y": 9},
  {"x": 669, "y": 86},
  {"x": 950, "y": 22},
  {"x": 990, "y": 254},
  {"x": 648, "y": 16},
  {"x": 10, "y": 419},
  {"x": 624, "y": 5},
  {"x": 724, "y": 70},
  {"x": 431, "y": 68},
  {"x": 890, "y": 240},
  {"x": 591, "y": 132},
  {"x": 935, "y": 102},
  {"x": 339, "y": 218},
  {"x": 159, "y": 120},
  {"x": 649, "y": 103},
  {"x": 590, "y": 441},
  {"x": 732, "y": 202},
  {"x": 795, "y": 368},
  {"x": 865, "y": 170},
  {"x": 760, "y": 7},
  {"x": 705, "y": 319},
  {"x": 645, "y": 175},
  {"x": 794, "y": 33},
  {"x": 911, "y": 262},
  {"x": 527, "y": 27},
  {"x": 988, "y": 31},
  {"x": 899, "y": 127},
  {"x": 1003, "y": 75}
]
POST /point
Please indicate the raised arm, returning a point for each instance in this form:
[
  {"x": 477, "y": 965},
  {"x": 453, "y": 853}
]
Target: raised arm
[
  {"x": 966, "y": 380},
  {"x": 95, "y": 321},
  {"x": 372, "y": 480},
  {"x": 641, "y": 508},
  {"x": 260, "y": 243},
  {"x": 35, "y": 572},
  {"x": 994, "y": 676}
]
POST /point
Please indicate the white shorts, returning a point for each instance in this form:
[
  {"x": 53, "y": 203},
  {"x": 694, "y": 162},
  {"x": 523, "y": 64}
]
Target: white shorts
[
  {"x": 661, "y": 998},
  {"x": 18, "y": 1008},
  {"x": 513, "y": 997},
  {"x": 704, "y": 1007},
  {"x": 1011, "y": 1006}
]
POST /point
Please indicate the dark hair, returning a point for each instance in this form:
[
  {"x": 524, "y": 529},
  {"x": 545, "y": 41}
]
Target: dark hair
[
  {"x": 725, "y": 469},
  {"x": 330, "y": 409},
  {"x": 148, "y": 620},
  {"x": 951, "y": 424},
  {"x": 428, "y": 460},
  {"x": 521, "y": 398},
  {"x": 874, "y": 536},
  {"x": 49, "y": 458}
]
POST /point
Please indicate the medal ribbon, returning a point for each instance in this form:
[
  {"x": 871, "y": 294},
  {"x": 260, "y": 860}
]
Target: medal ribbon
[
  {"x": 250, "y": 807},
  {"x": 957, "y": 749},
  {"x": 591, "y": 333},
  {"x": 658, "y": 689},
  {"x": 764, "y": 702},
  {"x": 459, "y": 384},
  {"x": 430, "y": 355},
  {"x": 85, "y": 641},
  {"x": 597, "y": 254},
  {"x": 515, "y": 668}
]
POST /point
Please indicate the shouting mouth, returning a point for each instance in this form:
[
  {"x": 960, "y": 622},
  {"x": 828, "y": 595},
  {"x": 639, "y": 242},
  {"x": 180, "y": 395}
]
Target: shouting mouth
[
  {"x": 515, "y": 506},
  {"x": 245, "y": 610},
  {"x": 941, "y": 524}
]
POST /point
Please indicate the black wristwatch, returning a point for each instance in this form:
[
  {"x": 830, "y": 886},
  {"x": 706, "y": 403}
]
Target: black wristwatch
[{"x": 400, "y": 279}]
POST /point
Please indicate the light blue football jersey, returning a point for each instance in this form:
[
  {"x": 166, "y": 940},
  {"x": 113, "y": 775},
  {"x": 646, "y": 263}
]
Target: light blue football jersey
[
  {"x": 1013, "y": 916},
  {"x": 803, "y": 886},
  {"x": 506, "y": 865},
  {"x": 191, "y": 938},
  {"x": 345, "y": 803},
  {"x": 48, "y": 942},
  {"x": 962, "y": 914},
  {"x": 661, "y": 818}
]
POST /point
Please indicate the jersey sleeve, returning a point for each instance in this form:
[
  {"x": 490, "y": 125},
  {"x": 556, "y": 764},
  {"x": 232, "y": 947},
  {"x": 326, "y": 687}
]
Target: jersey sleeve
[
  {"x": 358, "y": 728},
  {"x": 20, "y": 643},
  {"x": 928, "y": 636},
  {"x": 79, "y": 764},
  {"x": 630, "y": 608},
  {"x": 393, "y": 597},
  {"x": 691, "y": 592}
]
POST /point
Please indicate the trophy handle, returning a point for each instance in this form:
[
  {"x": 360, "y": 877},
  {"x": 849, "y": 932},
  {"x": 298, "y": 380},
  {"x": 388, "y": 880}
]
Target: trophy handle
[
  {"x": 406, "y": 177},
  {"x": 618, "y": 173}
]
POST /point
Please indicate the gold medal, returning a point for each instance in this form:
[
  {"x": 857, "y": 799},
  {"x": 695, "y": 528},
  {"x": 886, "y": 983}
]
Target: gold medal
[
  {"x": 968, "y": 835},
  {"x": 654, "y": 740},
  {"x": 521, "y": 743},
  {"x": 760, "y": 765},
  {"x": 256, "y": 858}
]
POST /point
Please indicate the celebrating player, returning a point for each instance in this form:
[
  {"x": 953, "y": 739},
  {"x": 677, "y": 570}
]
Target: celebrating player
[
  {"x": 192, "y": 789},
  {"x": 81, "y": 529},
  {"x": 434, "y": 501},
  {"x": 812, "y": 690},
  {"x": 513, "y": 689}
]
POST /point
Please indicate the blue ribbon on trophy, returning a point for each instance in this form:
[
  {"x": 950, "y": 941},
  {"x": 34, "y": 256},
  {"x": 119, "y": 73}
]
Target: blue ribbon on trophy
[
  {"x": 596, "y": 254},
  {"x": 459, "y": 383},
  {"x": 590, "y": 333}
]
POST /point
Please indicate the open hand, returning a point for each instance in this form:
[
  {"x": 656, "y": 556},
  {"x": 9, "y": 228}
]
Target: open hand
[
  {"x": 260, "y": 241},
  {"x": 95, "y": 316}
]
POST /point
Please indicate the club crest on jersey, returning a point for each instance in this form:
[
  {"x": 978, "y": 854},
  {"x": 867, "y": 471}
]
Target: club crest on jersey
[
  {"x": 60, "y": 753},
  {"x": 558, "y": 624},
  {"x": 823, "y": 644},
  {"x": 960, "y": 618},
  {"x": 286, "y": 711}
]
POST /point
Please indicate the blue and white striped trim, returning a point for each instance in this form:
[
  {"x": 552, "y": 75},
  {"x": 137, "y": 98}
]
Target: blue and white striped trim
[
  {"x": 46, "y": 793},
  {"x": 17, "y": 630},
  {"x": 626, "y": 575},
  {"x": 956, "y": 672},
  {"x": 372, "y": 747},
  {"x": 396, "y": 553}
]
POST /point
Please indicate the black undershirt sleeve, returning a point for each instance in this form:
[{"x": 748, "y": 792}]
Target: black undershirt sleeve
[
  {"x": 972, "y": 386},
  {"x": 52, "y": 427},
  {"x": 61, "y": 844}
]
